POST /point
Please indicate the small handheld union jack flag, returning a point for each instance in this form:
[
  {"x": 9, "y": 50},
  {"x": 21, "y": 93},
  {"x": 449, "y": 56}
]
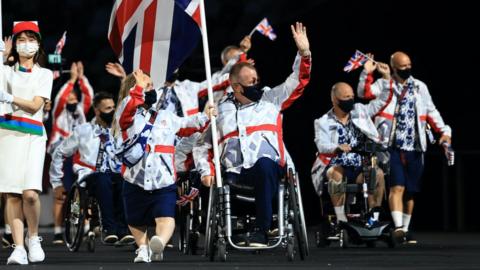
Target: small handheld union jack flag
[
  {"x": 356, "y": 61},
  {"x": 186, "y": 198},
  {"x": 265, "y": 29},
  {"x": 58, "y": 50}
]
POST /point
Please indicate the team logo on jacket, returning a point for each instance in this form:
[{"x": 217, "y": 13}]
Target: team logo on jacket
[{"x": 163, "y": 123}]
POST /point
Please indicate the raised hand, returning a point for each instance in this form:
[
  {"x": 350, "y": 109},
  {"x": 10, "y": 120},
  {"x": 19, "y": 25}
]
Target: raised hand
[
  {"x": 246, "y": 44},
  {"x": 384, "y": 69},
  {"x": 80, "y": 69},
  {"x": 370, "y": 66},
  {"x": 116, "y": 70},
  {"x": 73, "y": 72},
  {"x": 8, "y": 46},
  {"x": 142, "y": 79},
  {"x": 300, "y": 37}
]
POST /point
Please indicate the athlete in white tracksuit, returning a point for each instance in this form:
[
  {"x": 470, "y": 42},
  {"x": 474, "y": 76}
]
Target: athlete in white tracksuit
[{"x": 250, "y": 132}]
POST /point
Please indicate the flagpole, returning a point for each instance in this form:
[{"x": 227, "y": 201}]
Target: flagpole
[
  {"x": 208, "y": 73},
  {"x": 253, "y": 31},
  {"x": 1, "y": 28},
  {"x": 367, "y": 56}
]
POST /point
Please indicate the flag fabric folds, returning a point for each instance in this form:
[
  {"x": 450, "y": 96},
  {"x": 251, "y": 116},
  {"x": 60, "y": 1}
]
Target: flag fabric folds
[
  {"x": 154, "y": 35},
  {"x": 356, "y": 61},
  {"x": 266, "y": 29}
]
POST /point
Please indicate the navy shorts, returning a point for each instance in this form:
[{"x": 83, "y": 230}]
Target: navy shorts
[
  {"x": 142, "y": 206},
  {"x": 406, "y": 169}
]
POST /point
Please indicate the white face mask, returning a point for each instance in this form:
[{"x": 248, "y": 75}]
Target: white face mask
[{"x": 27, "y": 49}]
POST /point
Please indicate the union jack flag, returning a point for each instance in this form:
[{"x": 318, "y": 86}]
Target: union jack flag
[
  {"x": 58, "y": 50},
  {"x": 186, "y": 198},
  {"x": 356, "y": 61},
  {"x": 155, "y": 36},
  {"x": 266, "y": 29}
]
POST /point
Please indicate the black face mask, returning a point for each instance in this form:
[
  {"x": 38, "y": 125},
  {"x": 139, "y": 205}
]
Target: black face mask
[
  {"x": 150, "y": 97},
  {"x": 253, "y": 92},
  {"x": 71, "y": 107},
  {"x": 107, "y": 117},
  {"x": 346, "y": 105},
  {"x": 404, "y": 73}
]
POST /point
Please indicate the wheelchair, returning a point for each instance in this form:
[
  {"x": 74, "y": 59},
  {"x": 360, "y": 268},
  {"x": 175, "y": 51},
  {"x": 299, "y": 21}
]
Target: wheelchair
[
  {"x": 357, "y": 230},
  {"x": 222, "y": 224},
  {"x": 80, "y": 209},
  {"x": 82, "y": 216},
  {"x": 189, "y": 209}
]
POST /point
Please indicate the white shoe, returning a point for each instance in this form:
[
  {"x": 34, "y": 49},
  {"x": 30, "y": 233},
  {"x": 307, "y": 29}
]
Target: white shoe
[
  {"x": 143, "y": 255},
  {"x": 18, "y": 256},
  {"x": 157, "y": 247},
  {"x": 35, "y": 251}
]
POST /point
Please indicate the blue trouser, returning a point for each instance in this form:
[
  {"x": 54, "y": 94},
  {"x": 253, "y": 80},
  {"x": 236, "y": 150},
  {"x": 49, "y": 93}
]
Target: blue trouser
[
  {"x": 107, "y": 188},
  {"x": 264, "y": 177}
]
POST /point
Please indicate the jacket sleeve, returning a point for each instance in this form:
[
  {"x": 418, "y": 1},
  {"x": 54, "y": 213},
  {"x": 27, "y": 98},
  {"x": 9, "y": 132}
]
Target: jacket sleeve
[
  {"x": 433, "y": 115},
  {"x": 203, "y": 154},
  {"x": 61, "y": 99},
  {"x": 286, "y": 93},
  {"x": 322, "y": 138},
  {"x": 187, "y": 126},
  {"x": 128, "y": 107},
  {"x": 367, "y": 89},
  {"x": 66, "y": 149},
  {"x": 384, "y": 97},
  {"x": 87, "y": 92}
]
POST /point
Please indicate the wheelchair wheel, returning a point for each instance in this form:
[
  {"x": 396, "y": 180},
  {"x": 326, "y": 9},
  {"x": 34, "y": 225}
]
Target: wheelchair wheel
[
  {"x": 302, "y": 215},
  {"x": 211, "y": 228},
  {"x": 290, "y": 249},
  {"x": 74, "y": 214},
  {"x": 222, "y": 249},
  {"x": 297, "y": 221},
  {"x": 91, "y": 242},
  {"x": 344, "y": 238},
  {"x": 184, "y": 229}
]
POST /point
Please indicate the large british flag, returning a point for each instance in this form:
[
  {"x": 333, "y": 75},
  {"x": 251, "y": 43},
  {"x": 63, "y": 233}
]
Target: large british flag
[
  {"x": 356, "y": 61},
  {"x": 154, "y": 35}
]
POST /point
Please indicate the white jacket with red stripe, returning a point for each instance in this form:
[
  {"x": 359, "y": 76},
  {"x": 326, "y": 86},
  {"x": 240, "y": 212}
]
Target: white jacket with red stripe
[
  {"x": 156, "y": 170},
  {"x": 326, "y": 134},
  {"x": 252, "y": 131},
  {"x": 84, "y": 145},
  {"x": 63, "y": 121},
  {"x": 425, "y": 109},
  {"x": 189, "y": 93}
]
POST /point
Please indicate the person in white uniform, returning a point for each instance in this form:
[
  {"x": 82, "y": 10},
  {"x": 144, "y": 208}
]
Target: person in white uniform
[{"x": 24, "y": 87}]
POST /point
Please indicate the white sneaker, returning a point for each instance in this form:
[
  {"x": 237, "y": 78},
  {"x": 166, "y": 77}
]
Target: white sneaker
[
  {"x": 157, "y": 247},
  {"x": 18, "y": 256},
  {"x": 35, "y": 251},
  {"x": 142, "y": 255}
]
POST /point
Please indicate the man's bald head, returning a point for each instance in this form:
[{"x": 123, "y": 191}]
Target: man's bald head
[
  {"x": 400, "y": 60},
  {"x": 342, "y": 91},
  {"x": 342, "y": 97}
]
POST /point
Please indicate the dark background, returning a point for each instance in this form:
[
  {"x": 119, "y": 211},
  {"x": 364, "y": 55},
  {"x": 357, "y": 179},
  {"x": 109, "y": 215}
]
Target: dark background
[{"x": 439, "y": 37}]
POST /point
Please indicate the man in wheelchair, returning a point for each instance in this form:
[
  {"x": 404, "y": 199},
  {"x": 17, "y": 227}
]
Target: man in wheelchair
[
  {"x": 93, "y": 146},
  {"x": 345, "y": 127},
  {"x": 250, "y": 127}
]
